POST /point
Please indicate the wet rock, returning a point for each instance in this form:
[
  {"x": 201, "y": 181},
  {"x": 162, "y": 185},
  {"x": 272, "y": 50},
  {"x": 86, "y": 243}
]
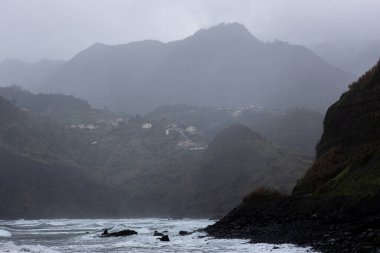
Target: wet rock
[
  {"x": 105, "y": 232},
  {"x": 165, "y": 238},
  {"x": 156, "y": 233},
  {"x": 184, "y": 233},
  {"x": 125, "y": 232}
]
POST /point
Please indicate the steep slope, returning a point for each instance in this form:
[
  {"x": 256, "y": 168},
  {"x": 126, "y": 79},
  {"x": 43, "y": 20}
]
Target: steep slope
[
  {"x": 350, "y": 142},
  {"x": 221, "y": 66},
  {"x": 237, "y": 160},
  {"x": 28, "y": 75},
  {"x": 38, "y": 177},
  {"x": 335, "y": 206}
]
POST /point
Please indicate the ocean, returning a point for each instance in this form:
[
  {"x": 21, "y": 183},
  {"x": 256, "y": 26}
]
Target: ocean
[{"x": 82, "y": 235}]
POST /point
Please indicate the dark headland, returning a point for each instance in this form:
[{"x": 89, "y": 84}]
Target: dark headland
[{"x": 335, "y": 207}]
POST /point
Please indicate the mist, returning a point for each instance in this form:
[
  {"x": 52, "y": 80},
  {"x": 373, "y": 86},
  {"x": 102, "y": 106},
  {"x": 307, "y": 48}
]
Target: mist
[
  {"x": 31, "y": 30},
  {"x": 176, "y": 126}
]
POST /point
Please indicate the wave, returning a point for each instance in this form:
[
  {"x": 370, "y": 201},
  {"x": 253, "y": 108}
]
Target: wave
[
  {"x": 10, "y": 247},
  {"x": 5, "y": 233}
]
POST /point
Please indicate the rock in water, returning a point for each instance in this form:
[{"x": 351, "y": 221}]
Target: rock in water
[
  {"x": 156, "y": 233},
  {"x": 126, "y": 232},
  {"x": 165, "y": 238},
  {"x": 184, "y": 233}
]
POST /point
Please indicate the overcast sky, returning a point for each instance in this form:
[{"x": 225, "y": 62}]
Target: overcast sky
[{"x": 58, "y": 29}]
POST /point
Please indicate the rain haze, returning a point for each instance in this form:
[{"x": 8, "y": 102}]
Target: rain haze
[
  {"x": 54, "y": 29},
  {"x": 190, "y": 126}
]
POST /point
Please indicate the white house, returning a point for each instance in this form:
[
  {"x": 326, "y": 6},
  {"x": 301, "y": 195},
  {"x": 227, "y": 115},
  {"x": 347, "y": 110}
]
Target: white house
[{"x": 146, "y": 126}]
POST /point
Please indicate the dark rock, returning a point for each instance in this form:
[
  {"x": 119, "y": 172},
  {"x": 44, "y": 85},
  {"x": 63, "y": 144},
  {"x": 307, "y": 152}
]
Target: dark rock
[
  {"x": 156, "y": 233},
  {"x": 105, "y": 232},
  {"x": 184, "y": 233},
  {"x": 126, "y": 232},
  {"x": 165, "y": 238}
]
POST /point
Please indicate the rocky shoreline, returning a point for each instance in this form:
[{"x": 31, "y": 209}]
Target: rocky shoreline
[{"x": 328, "y": 224}]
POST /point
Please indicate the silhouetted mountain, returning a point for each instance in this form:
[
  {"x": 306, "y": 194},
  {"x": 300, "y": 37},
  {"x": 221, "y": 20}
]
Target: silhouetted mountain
[
  {"x": 237, "y": 160},
  {"x": 221, "y": 66},
  {"x": 351, "y": 56},
  {"x": 335, "y": 206},
  {"x": 28, "y": 75}
]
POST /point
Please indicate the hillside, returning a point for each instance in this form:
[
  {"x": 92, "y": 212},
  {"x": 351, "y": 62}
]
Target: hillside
[
  {"x": 65, "y": 109},
  {"x": 155, "y": 162},
  {"x": 220, "y": 66},
  {"x": 237, "y": 160},
  {"x": 351, "y": 142},
  {"x": 39, "y": 176},
  {"x": 335, "y": 206},
  {"x": 296, "y": 129}
]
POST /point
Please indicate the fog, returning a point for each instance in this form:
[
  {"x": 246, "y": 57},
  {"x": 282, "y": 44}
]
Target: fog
[{"x": 31, "y": 30}]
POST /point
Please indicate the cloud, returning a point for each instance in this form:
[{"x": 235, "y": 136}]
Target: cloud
[{"x": 59, "y": 29}]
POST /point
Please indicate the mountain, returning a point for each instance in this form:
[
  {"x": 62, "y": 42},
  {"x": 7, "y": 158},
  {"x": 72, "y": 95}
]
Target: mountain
[
  {"x": 38, "y": 175},
  {"x": 335, "y": 206},
  {"x": 224, "y": 65},
  {"x": 28, "y": 75},
  {"x": 348, "y": 154},
  {"x": 351, "y": 56},
  {"x": 151, "y": 165},
  {"x": 237, "y": 160},
  {"x": 65, "y": 109}
]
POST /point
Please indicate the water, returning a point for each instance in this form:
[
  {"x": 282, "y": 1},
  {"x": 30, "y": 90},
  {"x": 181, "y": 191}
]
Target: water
[{"x": 68, "y": 235}]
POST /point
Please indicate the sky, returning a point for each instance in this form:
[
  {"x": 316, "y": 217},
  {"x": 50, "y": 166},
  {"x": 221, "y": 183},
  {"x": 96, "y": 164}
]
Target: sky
[{"x": 59, "y": 29}]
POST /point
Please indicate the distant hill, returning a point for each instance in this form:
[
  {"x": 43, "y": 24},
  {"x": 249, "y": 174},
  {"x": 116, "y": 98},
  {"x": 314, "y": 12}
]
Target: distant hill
[
  {"x": 151, "y": 164},
  {"x": 28, "y": 75},
  {"x": 351, "y": 56},
  {"x": 238, "y": 160},
  {"x": 297, "y": 129},
  {"x": 65, "y": 109},
  {"x": 221, "y": 66},
  {"x": 38, "y": 173}
]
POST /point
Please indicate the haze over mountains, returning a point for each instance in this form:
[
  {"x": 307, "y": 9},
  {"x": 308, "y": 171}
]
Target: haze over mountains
[
  {"x": 221, "y": 66},
  {"x": 147, "y": 165},
  {"x": 28, "y": 75},
  {"x": 224, "y": 65},
  {"x": 353, "y": 56}
]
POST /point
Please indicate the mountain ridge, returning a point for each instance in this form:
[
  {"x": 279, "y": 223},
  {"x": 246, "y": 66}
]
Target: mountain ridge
[{"x": 220, "y": 66}]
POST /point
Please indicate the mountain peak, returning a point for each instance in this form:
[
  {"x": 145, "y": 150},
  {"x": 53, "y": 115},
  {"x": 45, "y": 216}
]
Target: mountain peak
[{"x": 226, "y": 30}]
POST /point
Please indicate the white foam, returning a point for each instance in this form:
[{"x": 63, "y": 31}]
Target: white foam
[
  {"x": 10, "y": 247},
  {"x": 5, "y": 233},
  {"x": 72, "y": 236}
]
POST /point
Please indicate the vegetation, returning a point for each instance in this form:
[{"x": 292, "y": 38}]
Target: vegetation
[
  {"x": 156, "y": 162},
  {"x": 348, "y": 153}
]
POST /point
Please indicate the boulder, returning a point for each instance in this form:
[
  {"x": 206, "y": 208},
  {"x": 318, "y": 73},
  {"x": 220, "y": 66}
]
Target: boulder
[
  {"x": 126, "y": 232},
  {"x": 182, "y": 233},
  {"x": 165, "y": 238}
]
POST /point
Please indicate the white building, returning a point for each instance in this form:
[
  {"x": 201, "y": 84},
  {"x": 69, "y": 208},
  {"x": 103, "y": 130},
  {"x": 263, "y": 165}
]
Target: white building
[
  {"x": 191, "y": 130},
  {"x": 146, "y": 126}
]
